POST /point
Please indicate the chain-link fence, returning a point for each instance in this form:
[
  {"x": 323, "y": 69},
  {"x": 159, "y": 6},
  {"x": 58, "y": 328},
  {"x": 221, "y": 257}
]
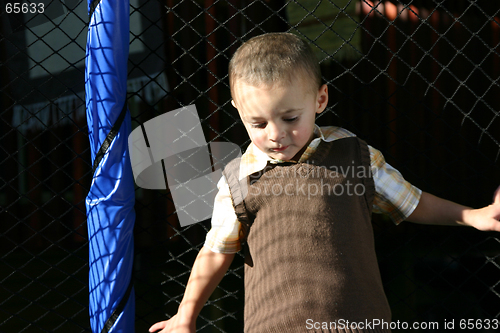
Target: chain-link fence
[{"x": 419, "y": 80}]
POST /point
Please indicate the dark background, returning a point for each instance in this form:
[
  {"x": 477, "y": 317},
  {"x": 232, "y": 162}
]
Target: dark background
[{"x": 423, "y": 89}]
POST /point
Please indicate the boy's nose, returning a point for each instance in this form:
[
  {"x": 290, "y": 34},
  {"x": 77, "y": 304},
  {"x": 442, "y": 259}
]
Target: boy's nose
[{"x": 275, "y": 133}]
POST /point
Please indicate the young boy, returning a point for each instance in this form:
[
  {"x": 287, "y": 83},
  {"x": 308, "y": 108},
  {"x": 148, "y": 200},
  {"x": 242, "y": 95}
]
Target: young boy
[{"x": 305, "y": 216}]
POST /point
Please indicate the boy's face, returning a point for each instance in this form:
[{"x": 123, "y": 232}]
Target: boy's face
[{"x": 280, "y": 119}]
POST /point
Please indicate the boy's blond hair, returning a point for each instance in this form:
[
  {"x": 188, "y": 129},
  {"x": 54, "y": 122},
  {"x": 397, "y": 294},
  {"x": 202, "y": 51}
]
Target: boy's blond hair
[{"x": 274, "y": 58}]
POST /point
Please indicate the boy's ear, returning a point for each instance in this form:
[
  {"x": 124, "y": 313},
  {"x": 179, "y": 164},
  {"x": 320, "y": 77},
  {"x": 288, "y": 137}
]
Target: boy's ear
[
  {"x": 322, "y": 98},
  {"x": 233, "y": 103}
]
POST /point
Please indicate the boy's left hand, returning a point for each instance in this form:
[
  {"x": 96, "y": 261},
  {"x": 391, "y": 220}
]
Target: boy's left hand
[
  {"x": 487, "y": 218},
  {"x": 437, "y": 211}
]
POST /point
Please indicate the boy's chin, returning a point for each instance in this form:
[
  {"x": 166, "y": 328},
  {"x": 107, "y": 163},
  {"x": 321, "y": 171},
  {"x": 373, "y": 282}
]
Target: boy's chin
[
  {"x": 285, "y": 156},
  {"x": 278, "y": 156}
]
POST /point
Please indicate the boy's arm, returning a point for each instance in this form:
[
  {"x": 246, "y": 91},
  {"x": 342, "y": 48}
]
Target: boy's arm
[
  {"x": 208, "y": 270},
  {"x": 434, "y": 210}
]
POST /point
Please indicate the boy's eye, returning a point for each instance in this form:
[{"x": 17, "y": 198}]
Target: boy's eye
[
  {"x": 263, "y": 125},
  {"x": 260, "y": 125}
]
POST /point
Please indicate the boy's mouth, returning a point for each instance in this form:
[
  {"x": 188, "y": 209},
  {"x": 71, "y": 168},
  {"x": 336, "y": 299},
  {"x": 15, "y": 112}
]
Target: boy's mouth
[{"x": 279, "y": 149}]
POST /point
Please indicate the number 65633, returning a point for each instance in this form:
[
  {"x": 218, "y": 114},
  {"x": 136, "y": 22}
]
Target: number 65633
[{"x": 24, "y": 8}]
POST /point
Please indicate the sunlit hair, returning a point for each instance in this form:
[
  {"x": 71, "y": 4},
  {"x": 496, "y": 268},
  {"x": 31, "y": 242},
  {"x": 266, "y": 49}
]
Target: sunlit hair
[{"x": 274, "y": 58}]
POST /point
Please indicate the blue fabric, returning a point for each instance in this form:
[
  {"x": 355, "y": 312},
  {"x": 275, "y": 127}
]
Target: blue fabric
[{"x": 110, "y": 201}]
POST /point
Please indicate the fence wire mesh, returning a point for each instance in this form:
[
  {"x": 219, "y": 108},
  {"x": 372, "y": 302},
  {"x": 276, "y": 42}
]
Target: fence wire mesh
[{"x": 416, "y": 79}]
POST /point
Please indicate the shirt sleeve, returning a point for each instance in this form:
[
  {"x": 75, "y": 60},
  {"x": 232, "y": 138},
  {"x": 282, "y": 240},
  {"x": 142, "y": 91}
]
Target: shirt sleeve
[
  {"x": 224, "y": 237},
  {"x": 394, "y": 196}
]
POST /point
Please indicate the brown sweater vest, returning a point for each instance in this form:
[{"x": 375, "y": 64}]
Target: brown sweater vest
[{"x": 311, "y": 245}]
